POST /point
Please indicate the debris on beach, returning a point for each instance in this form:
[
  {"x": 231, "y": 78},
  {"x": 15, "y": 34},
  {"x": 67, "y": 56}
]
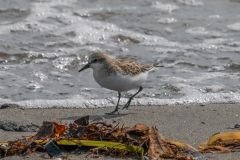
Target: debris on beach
[
  {"x": 222, "y": 143},
  {"x": 13, "y": 126},
  {"x": 100, "y": 138}
]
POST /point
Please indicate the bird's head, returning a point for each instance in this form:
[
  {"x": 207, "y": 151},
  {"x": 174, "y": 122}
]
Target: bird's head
[{"x": 95, "y": 61}]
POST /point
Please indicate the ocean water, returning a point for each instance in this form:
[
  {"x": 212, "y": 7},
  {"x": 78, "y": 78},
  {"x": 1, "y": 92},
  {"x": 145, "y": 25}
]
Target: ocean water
[{"x": 43, "y": 44}]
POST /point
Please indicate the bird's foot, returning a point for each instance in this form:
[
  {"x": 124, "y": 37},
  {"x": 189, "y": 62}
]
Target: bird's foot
[
  {"x": 113, "y": 112},
  {"x": 127, "y": 105}
]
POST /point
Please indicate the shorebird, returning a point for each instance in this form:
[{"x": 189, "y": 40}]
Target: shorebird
[{"x": 118, "y": 75}]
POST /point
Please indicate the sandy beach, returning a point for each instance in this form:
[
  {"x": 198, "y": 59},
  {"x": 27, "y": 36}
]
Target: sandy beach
[{"x": 190, "y": 124}]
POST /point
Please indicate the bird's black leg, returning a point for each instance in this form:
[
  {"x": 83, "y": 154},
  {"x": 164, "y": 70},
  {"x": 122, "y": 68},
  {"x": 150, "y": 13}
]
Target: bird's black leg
[
  {"x": 130, "y": 99},
  {"x": 116, "y": 109}
]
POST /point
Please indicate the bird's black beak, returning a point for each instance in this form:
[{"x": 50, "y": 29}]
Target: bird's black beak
[{"x": 84, "y": 67}]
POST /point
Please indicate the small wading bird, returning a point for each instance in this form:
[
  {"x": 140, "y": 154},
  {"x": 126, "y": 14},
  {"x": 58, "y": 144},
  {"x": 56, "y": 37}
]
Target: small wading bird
[{"x": 118, "y": 75}]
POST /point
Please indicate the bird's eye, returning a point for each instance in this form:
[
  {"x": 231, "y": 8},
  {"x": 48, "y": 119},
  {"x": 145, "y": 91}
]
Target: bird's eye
[{"x": 95, "y": 60}]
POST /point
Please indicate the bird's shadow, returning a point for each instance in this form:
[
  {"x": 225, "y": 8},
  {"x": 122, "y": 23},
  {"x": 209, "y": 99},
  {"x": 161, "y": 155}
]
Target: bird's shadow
[{"x": 97, "y": 117}]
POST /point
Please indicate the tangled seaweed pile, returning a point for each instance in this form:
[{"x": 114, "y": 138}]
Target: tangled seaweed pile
[{"x": 140, "y": 141}]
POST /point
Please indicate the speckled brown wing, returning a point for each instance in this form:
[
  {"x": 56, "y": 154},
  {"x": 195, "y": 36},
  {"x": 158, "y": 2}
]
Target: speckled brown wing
[{"x": 131, "y": 67}]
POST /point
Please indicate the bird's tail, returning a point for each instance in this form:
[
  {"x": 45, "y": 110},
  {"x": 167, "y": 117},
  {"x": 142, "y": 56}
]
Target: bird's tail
[{"x": 156, "y": 67}]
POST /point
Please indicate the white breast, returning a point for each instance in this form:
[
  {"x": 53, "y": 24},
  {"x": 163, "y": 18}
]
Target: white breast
[{"x": 120, "y": 82}]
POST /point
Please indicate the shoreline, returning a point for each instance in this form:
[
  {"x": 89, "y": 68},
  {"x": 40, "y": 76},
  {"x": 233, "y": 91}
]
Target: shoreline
[{"x": 190, "y": 124}]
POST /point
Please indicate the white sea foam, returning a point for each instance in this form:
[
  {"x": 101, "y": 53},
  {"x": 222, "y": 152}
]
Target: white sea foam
[{"x": 195, "y": 98}]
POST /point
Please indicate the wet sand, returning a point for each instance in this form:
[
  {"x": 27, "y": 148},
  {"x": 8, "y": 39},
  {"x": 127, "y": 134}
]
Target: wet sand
[{"x": 190, "y": 124}]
